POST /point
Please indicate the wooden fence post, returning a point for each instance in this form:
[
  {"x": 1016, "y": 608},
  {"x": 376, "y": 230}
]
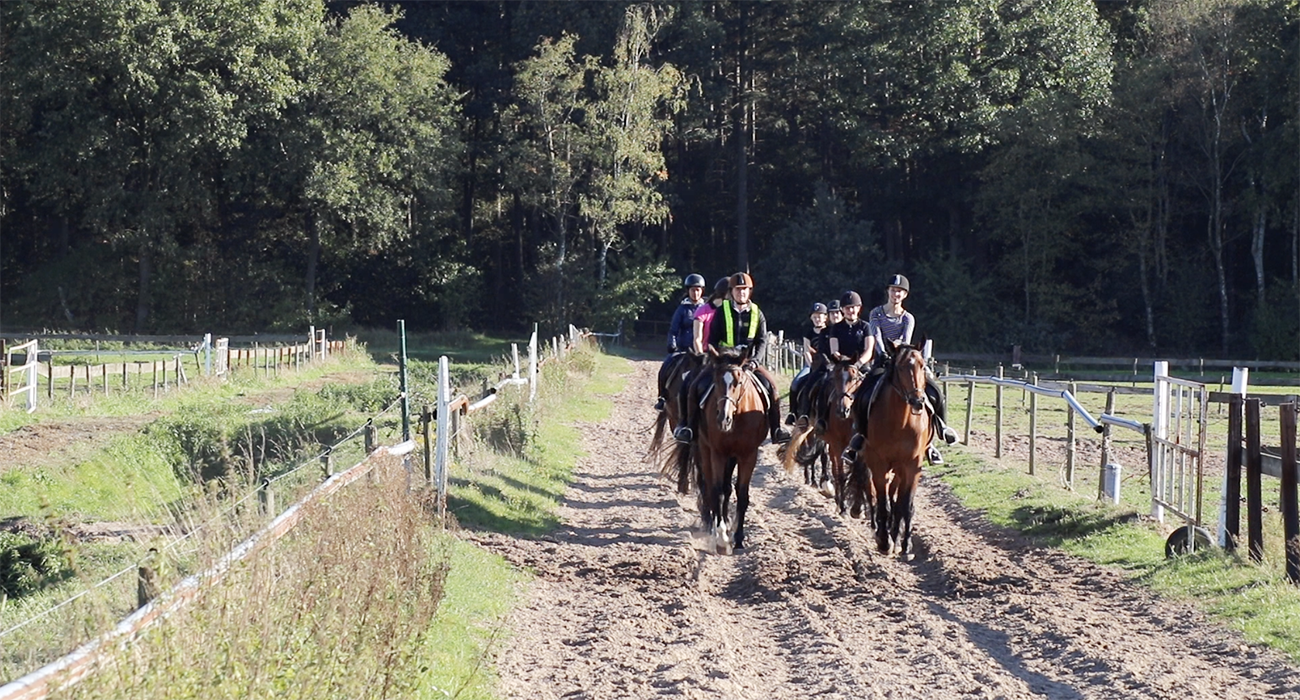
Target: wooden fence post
[
  {"x": 1105, "y": 446},
  {"x": 1033, "y": 425},
  {"x": 1290, "y": 514},
  {"x": 327, "y": 464},
  {"x": 266, "y": 497},
  {"x": 104, "y": 369},
  {"x": 1232, "y": 486},
  {"x": 426, "y": 429},
  {"x": 1069, "y": 441},
  {"x": 997, "y": 437},
  {"x": 147, "y": 586},
  {"x": 155, "y": 379},
  {"x": 49, "y": 373},
  {"x": 1254, "y": 494},
  {"x": 370, "y": 436}
]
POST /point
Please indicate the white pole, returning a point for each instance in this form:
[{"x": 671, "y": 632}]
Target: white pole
[
  {"x": 440, "y": 454},
  {"x": 207, "y": 354},
  {"x": 1240, "y": 380},
  {"x": 1159, "y": 429},
  {"x": 532, "y": 365},
  {"x": 514, "y": 352}
]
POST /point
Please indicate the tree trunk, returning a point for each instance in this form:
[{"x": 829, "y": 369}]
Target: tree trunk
[
  {"x": 1257, "y": 252},
  {"x": 146, "y": 278},
  {"x": 313, "y": 259},
  {"x": 741, "y": 133}
]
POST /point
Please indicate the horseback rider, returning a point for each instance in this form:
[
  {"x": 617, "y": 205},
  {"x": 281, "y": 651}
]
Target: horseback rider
[
  {"x": 891, "y": 322},
  {"x": 813, "y": 354},
  {"x": 846, "y": 342},
  {"x": 738, "y": 322},
  {"x": 680, "y": 330}
]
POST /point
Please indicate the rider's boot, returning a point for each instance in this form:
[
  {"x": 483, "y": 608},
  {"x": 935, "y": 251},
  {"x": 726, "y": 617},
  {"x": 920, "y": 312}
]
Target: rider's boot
[
  {"x": 855, "y": 445},
  {"x": 943, "y": 431}
]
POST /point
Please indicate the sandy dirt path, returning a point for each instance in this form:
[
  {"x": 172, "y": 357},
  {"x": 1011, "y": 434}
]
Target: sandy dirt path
[{"x": 623, "y": 606}]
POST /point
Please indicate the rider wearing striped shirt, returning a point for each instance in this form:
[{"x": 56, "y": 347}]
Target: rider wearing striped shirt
[{"x": 891, "y": 322}]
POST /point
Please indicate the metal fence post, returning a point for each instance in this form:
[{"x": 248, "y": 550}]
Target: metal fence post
[
  {"x": 1033, "y": 425},
  {"x": 426, "y": 430},
  {"x": 997, "y": 390},
  {"x": 1069, "y": 437},
  {"x": 440, "y": 466}
]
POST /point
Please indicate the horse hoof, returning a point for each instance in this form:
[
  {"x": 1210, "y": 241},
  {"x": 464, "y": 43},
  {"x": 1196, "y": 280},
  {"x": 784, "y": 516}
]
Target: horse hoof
[{"x": 826, "y": 489}]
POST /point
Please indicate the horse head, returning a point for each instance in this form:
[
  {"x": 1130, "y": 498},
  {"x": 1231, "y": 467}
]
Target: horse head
[
  {"x": 729, "y": 380},
  {"x": 907, "y": 375},
  {"x": 847, "y": 378}
]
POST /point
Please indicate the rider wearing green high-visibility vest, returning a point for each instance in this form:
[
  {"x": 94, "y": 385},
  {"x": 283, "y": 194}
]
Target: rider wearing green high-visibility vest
[{"x": 738, "y": 323}]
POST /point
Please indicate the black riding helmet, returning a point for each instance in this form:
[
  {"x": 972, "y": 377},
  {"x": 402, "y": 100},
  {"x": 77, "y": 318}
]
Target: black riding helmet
[
  {"x": 900, "y": 282},
  {"x": 851, "y": 298},
  {"x": 693, "y": 280}
]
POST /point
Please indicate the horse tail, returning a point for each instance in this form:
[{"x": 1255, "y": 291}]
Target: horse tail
[
  {"x": 677, "y": 466},
  {"x": 657, "y": 439},
  {"x": 791, "y": 449}
]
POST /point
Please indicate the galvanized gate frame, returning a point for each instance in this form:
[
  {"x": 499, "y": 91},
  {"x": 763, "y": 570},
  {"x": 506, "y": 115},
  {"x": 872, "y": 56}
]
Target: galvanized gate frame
[{"x": 1176, "y": 445}]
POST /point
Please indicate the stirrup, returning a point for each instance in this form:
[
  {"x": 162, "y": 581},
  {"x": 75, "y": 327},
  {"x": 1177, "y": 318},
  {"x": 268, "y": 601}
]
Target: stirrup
[
  {"x": 683, "y": 435},
  {"x": 949, "y": 435},
  {"x": 789, "y": 419},
  {"x": 780, "y": 436},
  {"x": 659, "y": 405},
  {"x": 932, "y": 455}
]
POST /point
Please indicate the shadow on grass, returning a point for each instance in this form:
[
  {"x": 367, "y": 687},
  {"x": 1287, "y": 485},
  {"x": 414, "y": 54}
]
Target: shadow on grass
[{"x": 1055, "y": 524}]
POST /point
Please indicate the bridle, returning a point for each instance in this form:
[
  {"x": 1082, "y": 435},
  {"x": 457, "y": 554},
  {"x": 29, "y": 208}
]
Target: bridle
[
  {"x": 915, "y": 395},
  {"x": 849, "y": 384}
]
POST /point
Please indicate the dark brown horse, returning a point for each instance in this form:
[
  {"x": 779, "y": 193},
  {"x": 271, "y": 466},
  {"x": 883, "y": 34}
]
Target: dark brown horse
[
  {"x": 888, "y": 468},
  {"x": 732, "y": 426},
  {"x": 837, "y": 396},
  {"x": 672, "y": 380}
]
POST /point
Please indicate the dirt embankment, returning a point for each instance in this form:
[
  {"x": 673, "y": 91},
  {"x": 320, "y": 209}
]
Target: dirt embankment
[{"x": 624, "y": 606}]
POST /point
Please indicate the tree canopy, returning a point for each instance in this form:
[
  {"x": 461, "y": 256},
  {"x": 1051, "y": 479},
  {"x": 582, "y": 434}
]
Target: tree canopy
[{"x": 1070, "y": 176}]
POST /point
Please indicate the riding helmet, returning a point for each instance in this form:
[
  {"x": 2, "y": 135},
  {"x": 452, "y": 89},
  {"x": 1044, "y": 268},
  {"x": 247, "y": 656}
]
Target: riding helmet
[
  {"x": 833, "y": 306},
  {"x": 741, "y": 279},
  {"x": 900, "y": 282},
  {"x": 693, "y": 280},
  {"x": 818, "y": 308},
  {"x": 851, "y": 298}
]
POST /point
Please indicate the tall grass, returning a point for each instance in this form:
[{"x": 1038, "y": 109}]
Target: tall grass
[{"x": 338, "y": 608}]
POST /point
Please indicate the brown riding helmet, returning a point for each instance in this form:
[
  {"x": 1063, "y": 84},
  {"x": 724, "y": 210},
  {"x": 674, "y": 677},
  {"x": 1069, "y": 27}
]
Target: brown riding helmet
[{"x": 741, "y": 279}]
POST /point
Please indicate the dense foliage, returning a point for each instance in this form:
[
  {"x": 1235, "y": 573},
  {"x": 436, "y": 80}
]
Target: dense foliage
[{"x": 1067, "y": 175}]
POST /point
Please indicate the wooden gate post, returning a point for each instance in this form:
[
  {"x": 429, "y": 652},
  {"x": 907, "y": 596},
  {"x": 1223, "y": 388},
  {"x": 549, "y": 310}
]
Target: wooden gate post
[
  {"x": 1290, "y": 514},
  {"x": 1254, "y": 495},
  {"x": 1232, "y": 487}
]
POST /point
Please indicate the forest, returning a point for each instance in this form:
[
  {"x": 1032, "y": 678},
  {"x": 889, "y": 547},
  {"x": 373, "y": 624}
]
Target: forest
[{"x": 1071, "y": 176}]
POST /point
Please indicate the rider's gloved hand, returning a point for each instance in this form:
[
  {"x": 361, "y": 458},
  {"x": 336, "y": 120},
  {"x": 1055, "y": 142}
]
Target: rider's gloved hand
[{"x": 750, "y": 365}]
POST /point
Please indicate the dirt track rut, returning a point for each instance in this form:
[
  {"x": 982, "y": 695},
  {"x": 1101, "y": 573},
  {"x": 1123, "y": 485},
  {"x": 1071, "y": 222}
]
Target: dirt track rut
[{"x": 624, "y": 606}]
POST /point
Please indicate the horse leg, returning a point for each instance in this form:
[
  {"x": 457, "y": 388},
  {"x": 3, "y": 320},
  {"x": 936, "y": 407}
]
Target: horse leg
[
  {"x": 881, "y": 509},
  {"x": 840, "y": 479},
  {"x": 723, "y": 529},
  {"x": 744, "y": 472},
  {"x": 903, "y": 511},
  {"x": 827, "y": 485}
]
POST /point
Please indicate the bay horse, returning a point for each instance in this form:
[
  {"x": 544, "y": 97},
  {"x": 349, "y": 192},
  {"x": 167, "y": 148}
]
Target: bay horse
[
  {"x": 887, "y": 470},
  {"x": 842, "y": 382},
  {"x": 732, "y": 426}
]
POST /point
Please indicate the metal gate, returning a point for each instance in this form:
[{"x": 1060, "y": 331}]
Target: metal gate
[{"x": 1177, "y": 446}]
